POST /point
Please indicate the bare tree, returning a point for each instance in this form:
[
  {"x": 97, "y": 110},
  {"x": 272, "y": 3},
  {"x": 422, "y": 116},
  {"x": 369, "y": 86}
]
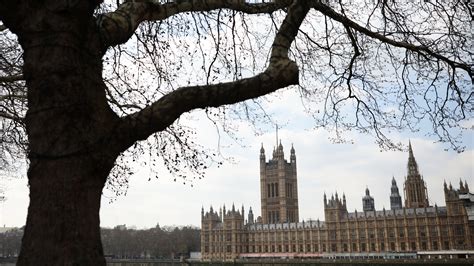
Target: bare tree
[{"x": 103, "y": 78}]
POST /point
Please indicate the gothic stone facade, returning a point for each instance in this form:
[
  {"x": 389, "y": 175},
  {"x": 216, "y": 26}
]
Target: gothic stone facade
[{"x": 227, "y": 235}]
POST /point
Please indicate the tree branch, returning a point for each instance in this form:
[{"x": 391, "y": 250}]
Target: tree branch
[
  {"x": 118, "y": 26},
  {"x": 11, "y": 117},
  {"x": 422, "y": 50},
  {"x": 281, "y": 72},
  {"x": 12, "y": 78}
]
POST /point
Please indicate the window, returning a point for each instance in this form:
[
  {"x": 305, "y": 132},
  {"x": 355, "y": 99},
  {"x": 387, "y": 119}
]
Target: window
[
  {"x": 276, "y": 189},
  {"x": 413, "y": 246},
  {"x": 435, "y": 245},
  {"x": 423, "y": 246},
  {"x": 354, "y": 247},
  {"x": 446, "y": 245},
  {"x": 345, "y": 247},
  {"x": 391, "y": 233},
  {"x": 459, "y": 230},
  {"x": 403, "y": 246}
]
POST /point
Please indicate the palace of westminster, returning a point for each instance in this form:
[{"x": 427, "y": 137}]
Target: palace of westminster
[{"x": 410, "y": 227}]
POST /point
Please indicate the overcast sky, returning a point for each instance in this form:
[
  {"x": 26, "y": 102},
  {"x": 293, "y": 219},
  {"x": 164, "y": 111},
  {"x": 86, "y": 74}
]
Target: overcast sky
[{"x": 321, "y": 165}]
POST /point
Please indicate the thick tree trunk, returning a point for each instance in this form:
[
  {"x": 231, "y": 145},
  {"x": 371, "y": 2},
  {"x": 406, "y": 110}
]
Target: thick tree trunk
[
  {"x": 63, "y": 216},
  {"x": 69, "y": 126}
]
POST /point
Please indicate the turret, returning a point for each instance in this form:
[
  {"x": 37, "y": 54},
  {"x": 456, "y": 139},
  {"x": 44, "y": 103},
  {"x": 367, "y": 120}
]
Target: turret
[
  {"x": 250, "y": 216},
  {"x": 368, "y": 201},
  {"x": 293, "y": 155},
  {"x": 395, "y": 198},
  {"x": 279, "y": 154}
]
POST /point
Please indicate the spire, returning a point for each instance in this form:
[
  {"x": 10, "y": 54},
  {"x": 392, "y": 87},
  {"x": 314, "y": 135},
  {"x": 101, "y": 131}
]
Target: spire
[
  {"x": 394, "y": 182},
  {"x": 412, "y": 165},
  {"x": 461, "y": 185},
  {"x": 466, "y": 187},
  {"x": 292, "y": 149},
  {"x": 262, "y": 155},
  {"x": 410, "y": 150},
  {"x": 367, "y": 193}
]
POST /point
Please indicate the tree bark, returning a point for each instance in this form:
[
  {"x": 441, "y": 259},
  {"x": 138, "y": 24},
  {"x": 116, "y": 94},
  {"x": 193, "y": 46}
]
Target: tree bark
[
  {"x": 69, "y": 126},
  {"x": 63, "y": 226}
]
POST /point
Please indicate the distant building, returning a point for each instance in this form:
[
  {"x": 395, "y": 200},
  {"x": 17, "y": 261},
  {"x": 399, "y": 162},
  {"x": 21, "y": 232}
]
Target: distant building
[{"x": 400, "y": 231}]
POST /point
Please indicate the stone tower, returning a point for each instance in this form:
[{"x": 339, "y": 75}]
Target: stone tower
[
  {"x": 278, "y": 187},
  {"x": 335, "y": 209},
  {"x": 368, "y": 201},
  {"x": 395, "y": 199},
  {"x": 416, "y": 195}
]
